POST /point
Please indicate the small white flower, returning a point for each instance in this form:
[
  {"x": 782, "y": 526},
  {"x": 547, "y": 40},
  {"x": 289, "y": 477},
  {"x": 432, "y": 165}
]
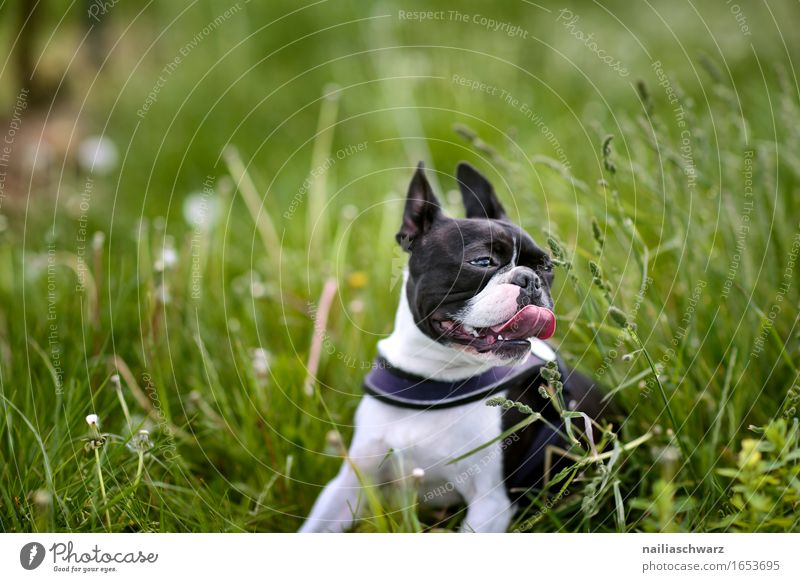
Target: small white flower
[
  {"x": 98, "y": 240},
  {"x": 92, "y": 419},
  {"x": 169, "y": 256},
  {"x": 143, "y": 440},
  {"x": 200, "y": 210},
  {"x": 418, "y": 473},
  {"x": 163, "y": 295},
  {"x": 258, "y": 290},
  {"x": 42, "y": 497},
  {"x": 331, "y": 91},
  {"x": 333, "y": 442},
  {"x": 38, "y": 156},
  {"x": 349, "y": 212},
  {"x": 195, "y": 209},
  {"x": 140, "y": 442},
  {"x": 453, "y": 198},
  {"x": 115, "y": 379},
  {"x": 98, "y": 154},
  {"x": 260, "y": 359}
]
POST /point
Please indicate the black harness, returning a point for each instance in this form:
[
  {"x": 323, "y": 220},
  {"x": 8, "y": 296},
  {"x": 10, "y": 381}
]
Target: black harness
[{"x": 394, "y": 386}]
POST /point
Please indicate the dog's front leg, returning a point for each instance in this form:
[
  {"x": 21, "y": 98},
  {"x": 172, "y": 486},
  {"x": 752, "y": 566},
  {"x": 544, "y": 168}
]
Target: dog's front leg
[
  {"x": 489, "y": 513},
  {"x": 339, "y": 505}
]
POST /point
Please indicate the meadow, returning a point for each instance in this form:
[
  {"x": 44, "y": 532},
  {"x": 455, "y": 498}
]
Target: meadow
[{"x": 216, "y": 267}]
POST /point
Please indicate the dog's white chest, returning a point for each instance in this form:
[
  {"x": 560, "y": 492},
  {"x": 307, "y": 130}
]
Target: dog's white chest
[{"x": 431, "y": 439}]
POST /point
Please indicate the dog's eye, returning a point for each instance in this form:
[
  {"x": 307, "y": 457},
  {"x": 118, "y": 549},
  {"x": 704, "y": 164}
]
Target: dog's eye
[
  {"x": 484, "y": 262},
  {"x": 547, "y": 267}
]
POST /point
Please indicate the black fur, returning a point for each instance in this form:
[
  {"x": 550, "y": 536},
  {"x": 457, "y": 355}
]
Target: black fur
[
  {"x": 447, "y": 250},
  {"x": 588, "y": 398}
]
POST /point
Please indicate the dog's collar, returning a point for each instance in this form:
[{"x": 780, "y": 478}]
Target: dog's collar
[{"x": 394, "y": 386}]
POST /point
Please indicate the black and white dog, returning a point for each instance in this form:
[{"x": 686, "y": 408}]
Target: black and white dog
[{"x": 475, "y": 310}]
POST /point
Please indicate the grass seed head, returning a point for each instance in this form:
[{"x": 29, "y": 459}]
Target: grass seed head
[{"x": 618, "y": 317}]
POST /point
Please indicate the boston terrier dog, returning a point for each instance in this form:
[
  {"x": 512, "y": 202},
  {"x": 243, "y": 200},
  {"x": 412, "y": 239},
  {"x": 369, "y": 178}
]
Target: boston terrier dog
[{"x": 474, "y": 313}]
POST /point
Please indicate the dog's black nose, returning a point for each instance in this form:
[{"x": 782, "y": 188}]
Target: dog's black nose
[{"x": 526, "y": 279}]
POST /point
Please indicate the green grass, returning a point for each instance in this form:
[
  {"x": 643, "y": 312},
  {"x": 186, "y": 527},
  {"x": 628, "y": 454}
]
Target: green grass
[{"x": 677, "y": 285}]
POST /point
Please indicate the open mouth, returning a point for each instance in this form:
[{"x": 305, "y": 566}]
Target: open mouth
[{"x": 530, "y": 321}]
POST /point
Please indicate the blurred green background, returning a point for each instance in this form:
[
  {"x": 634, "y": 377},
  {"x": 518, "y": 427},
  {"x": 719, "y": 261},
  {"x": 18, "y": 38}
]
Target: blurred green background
[{"x": 235, "y": 156}]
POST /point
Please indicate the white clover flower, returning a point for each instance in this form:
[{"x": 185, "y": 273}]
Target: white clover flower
[
  {"x": 92, "y": 419},
  {"x": 98, "y": 154}
]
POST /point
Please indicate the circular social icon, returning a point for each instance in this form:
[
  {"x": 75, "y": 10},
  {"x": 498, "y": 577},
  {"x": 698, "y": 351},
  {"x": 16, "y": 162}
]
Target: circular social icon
[{"x": 31, "y": 555}]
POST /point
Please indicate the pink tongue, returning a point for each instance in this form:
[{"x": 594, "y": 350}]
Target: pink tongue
[{"x": 529, "y": 321}]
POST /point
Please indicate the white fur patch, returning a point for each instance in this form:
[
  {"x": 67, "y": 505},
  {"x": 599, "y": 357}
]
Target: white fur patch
[{"x": 495, "y": 304}]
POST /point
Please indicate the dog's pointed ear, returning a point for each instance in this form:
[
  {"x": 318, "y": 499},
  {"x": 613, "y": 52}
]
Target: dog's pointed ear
[
  {"x": 480, "y": 201},
  {"x": 422, "y": 210}
]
